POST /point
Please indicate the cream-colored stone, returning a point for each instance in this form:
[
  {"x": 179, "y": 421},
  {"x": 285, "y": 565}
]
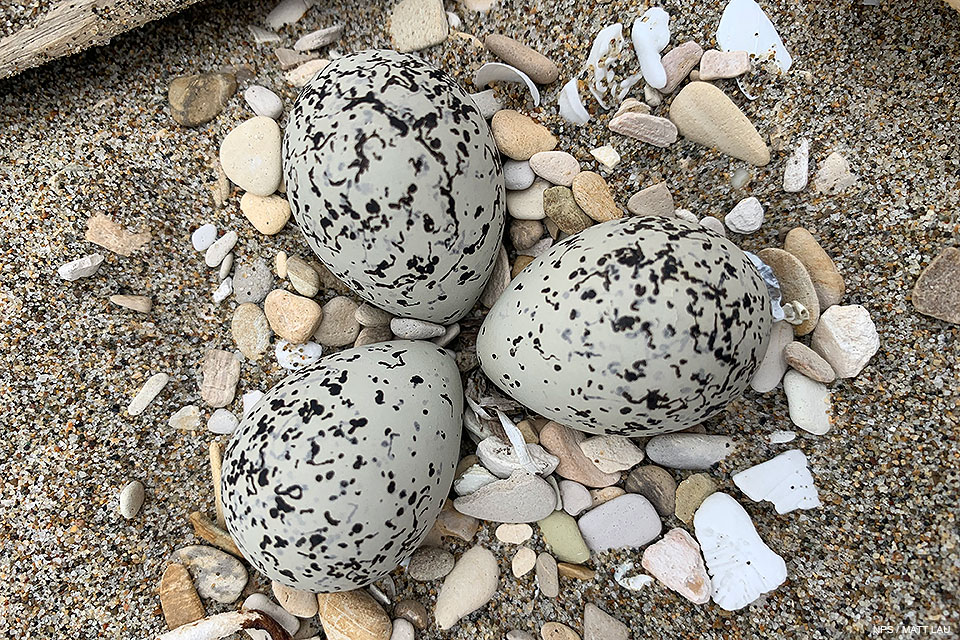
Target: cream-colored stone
[
  {"x": 292, "y": 317},
  {"x": 268, "y": 214}
]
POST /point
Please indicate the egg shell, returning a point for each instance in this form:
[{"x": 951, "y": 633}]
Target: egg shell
[
  {"x": 633, "y": 327},
  {"x": 395, "y": 180},
  {"x": 340, "y": 471}
]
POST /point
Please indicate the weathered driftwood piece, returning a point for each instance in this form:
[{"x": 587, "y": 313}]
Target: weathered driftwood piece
[{"x": 74, "y": 25}]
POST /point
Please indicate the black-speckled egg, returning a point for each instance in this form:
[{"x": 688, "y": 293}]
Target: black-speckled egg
[
  {"x": 395, "y": 180},
  {"x": 632, "y": 327},
  {"x": 341, "y": 469}
]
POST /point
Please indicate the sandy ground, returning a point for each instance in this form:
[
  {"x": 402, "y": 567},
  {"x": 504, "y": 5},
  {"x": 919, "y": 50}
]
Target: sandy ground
[{"x": 93, "y": 134}]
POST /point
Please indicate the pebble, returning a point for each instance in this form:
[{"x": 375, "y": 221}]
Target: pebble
[
  {"x": 186, "y": 418},
  {"x": 600, "y": 625},
  {"x": 250, "y": 155},
  {"x": 524, "y": 560},
  {"x": 629, "y": 521},
  {"x": 560, "y": 206},
  {"x": 827, "y": 281},
  {"x": 280, "y": 264},
  {"x": 222, "y": 422},
  {"x": 713, "y": 224},
  {"x": 541, "y": 69},
  {"x": 773, "y": 365},
  {"x": 548, "y": 580},
  {"x": 650, "y": 34},
  {"x": 373, "y": 335},
  {"x": 519, "y": 265},
  {"x": 217, "y": 251},
  {"x": 564, "y": 443},
  {"x": 368, "y": 315},
  {"x": 691, "y": 493},
  {"x": 429, "y": 563},
  {"x": 678, "y": 63},
  {"x": 606, "y": 156},
  {"x": 81, "y": 267},
  {"x": 150, "y": 390},
  {"x": 558, "y": 167},
  {"x": 260, "y": 602},
  {"x": 303, "y": 277},
  {"x": 517, "y": 174},
  {"x": 319, "y": 38},
  {"x": 417, "y": 24},
  {"x": 338, "y": 326},
  {"x": 294, "y": 357},
  {"x": 499, "y": 277},
  {"x": 519, "y": 136},
  {"x": 487, "y": 103},
  {"x": 808, "y": 402},
  {"x": 834, "y": 175},
  {"x": 104, "y": 232},
  {"x": 632, "y": 105},
  {"x": 846, "y": 338},
  {"x": 686, "y": 214},
  {"x": 252, "y": 282},
  {"x": 593, "y": 195},
  {"x": 514, "y": 533},
  {"x": 301, "y": 604},
  {"x": 529, "y": 203},
  {"x": 575, "y": 497},
  {"x": 216, "y": 574},
  {"x": 785, "y": 481},
  {"x": 523, "y": 497},
  {"x": 198, "y": 99},
  {"x": 575, "y": 571},
  {"x": 676, "y": 562},
  {"x": 142, "y": 304},
  {"x": 797, "y": 169},
  {"x": 178, "y": 597},
  {"x": 501, "y": 459},
  {"x": 715, "y": 64},
  {"x": 780, "y": 436},
  {"x": 558, "y": 631},
  {"x": 657, "y": 485},
  {"x": 268, "y": 214},
  {"x": 936, "y": 293},
  {"x": 449, "y": 335},
  {"x": 599, "y": 496},
  {"x": 697, "y": 451},
  {"x": 131, "y": 499},
  {"x": 301, "y": 75},
  {"x": 219, "y": 373},
  {"x": 263, "y": 102},
  {"x": 745, "y": 217},
  {"x": 403, "y": 630},
  {"x": 286, "y": 12},
  {"x": 795, "y": 285},
  {"x": 705, "y": 115},
  {"x": 204, "y": 236},
  {"x": 413, "y": 329},
  {"x": 225, "y": 266},
  {"x": 655, "y": 200},
  {"x": 289, "y": 58},
  {"x": 654, "y": 130},
  {"x": 611, "y": 454},
  {"x": 563, "y": 538},
  {"x": 470, "y": 585},
  {"x": 353, "y": 615},
  {"x": 808, "y": 362},
  {"x": 292, "y": 317},
  {"x": 413, "y": 611},
  {"x": 223, "y": 290},
  {"x": 249, "y": 400}
]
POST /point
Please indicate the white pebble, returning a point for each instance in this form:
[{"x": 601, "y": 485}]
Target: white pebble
[
  {"x": 402, "y": 628},
  {"x": 486, "y": 102},
  {"x": 250, "y": 400},
  {"x": 606, "y": 155},
  {"x": 745, "y": 217},
  {"x": 528, "y": 204},
  {"x": 517, "y": 175},
  {"x": 286, "y": 12},
  {"x": 263, "y": 102},
  {"x": 413, "y": 329},
  {"x": 131, "y": 499},
  {"x": 796, "y": 172},
  {"x": 217, "y": 251},
  {"x": 781, "y": 437},
  {"x": 204, "y": 236},
  {"x": 222, "y": 422},
  {"x": 784, "y": 480},
  {"x": 685, "y": 214},
  {"x": 297, "y": 356},
  {"x": 808, "y": 402},
  {"x": 223, "y": 291},
  {"x": 186, "y": 419},
  {"x": 81, "y": 267},
  {"x": 713, "y": 224},
  {"x": 150, "y": 389},
  {"x": 226, "y": 266},
  {"x": 847, "y": 338}
]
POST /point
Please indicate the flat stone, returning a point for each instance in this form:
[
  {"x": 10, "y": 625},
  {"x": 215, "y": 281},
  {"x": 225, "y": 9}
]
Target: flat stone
[
  {"x": 141, "y": 304},
  {"x": 217, "y": 575},
  {"x": 304, "y": 73},
  {"x": 575, "y": 497},
  {"x": 593, "y": 195},
  {"x": 657, "y": 485},
  {"x": 834, "y": 175},
  {"x": 678, "y": 63},
  {"x": 470, "y": 585},
  {"x": 557, "y": 631},
  {"x": 304, "y": 278},
  {"x": 785, "y": 481},
  {"x": 560, "y": 206},
  {"x": 353, "y": 615},
  {"x": 252, "y": 281},
  {"x": 150, "y": 390},
  {"x": 518, "y": 174},
  {"x": 795, "y": 285},
  {"x": 268, "y": 214},
  {"x": 104, "y": 232},
  {"x": 629, "y": 521},
  {"x": 80, "y": 268},
  {"x": 937, "y": 290},
  {"x": 418, "y": 24},
  {"x": 660, "y": 132},
  {"x": 294, "y": 357},
  {"x": 564, "y": 443},
  {"x": 715, "y": 65},
  {"x": 263, "y": 102},
  {"x": 676, "y": 562},
  {"x": 290, "y": 58},
  {"x": 178, "y": 597},
  {"x": 487, "y": 103},
  {"x": 250, "y": 155},
  {"x": 198, "y": 99},
  {"x": 499, "y": 278},
  {"x": 373, "y": 335},
  {"x": 705, "y": 115},
  {"x": 222, "y": 422},
  {"x": 523, "y": 562},
  {"x": 808, "y": 362},
  {"x": 286, "y": 12},
  {"x": 523, "y": 497},
  {"x": 698, "y": 451},
  {"x": 529, "y": 203},
  {"x": 600, "y": 625},
  {"x": 691, "y": 492},
  {"x": 797, "y": 169},
  {"x": 519, "y": 136},
  {"x": 606, "y": 155},
  {"x": 808, "y": 402},
  {"x": 575, "y": 571},
  {"x": 225, "y": 267},
  {"x": 370, "y": 316},
  {"x": 413, "y": 611},
  {"x": 302, "y": 604},
  {"x": 219, "y": 373},
  {"x": 319, "y": 38},
  {"x": 846, "y": 338},
  {"x": 599, "y": 496},
  {"x": 413, "y": 329},
  {"x": 292, "y": 317},
  {"x": 131, "y": 499},
  {"x": 260, "y": 602},
  {"x": 537, "y": 66},
  {"x": 827, "y": 281},
  {"x": 779, "y": 436},
  {"x": 745, "y": 217},
  {"x": 773, "y": 365},
  {"x": 558, "y": 167},
  {"x": 429, "y": 563},
  {"x": 450, "y": 333},
  {"x": 655, "y": 200},
  {"x": 339, "y": 326},
  {"x": 219, "y": 250},
  {"x": 611, "y": 454},
  {"x": 186, "y": 418},
  {"x": 501, "y": 459},
  {"x": 563, "y": 538},
  {"x": 514, "y": 533},
  {"x": 547, "y": 577}
]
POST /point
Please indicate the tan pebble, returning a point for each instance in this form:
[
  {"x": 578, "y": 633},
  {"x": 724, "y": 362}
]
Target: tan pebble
[
  {"x": 250, "y": 155},
  {"x": 655, "y": 200},
  {"x": 632, "y": 105},
  {"x": 418, "y": 24},
  {"x": 280, "y": 264},
  {"x": 519, "y": 136},
  {"x": 676, "y": 562},
  {"x": 267, "y": 214},
  {"x": 541, "y": 69},
  {"x": 558, "y": 167},
  {"x": 827, "y": 281},
  {"x": 302, "y": 74},
  {"x": 143, "y": 304},
  {"x": 514, "y": 533},
  {"x": 470, "y": 586},
  {"x": 451, "y": 522},
  {"x": 593, "y": 195},
  {"x": 654, "y": 130},
  {"x": 525, "y": 233},
  {"x": 795, "y": 285},
  {"x": 523, "y": 561},
  {"x": 219, "y": 373},
  {"x": 104, "y": 232},
  {"x": 575, "y": 571},
  {"x": 527, "y": 204},
  {"x": 808, "y": 362},
  {"x": 599, "y": 496},
  {"x": 290, "y": 58},
  {"x": 302, "y": 604},
  {"x": 178, "y": 597},
  {"x": 557, "y": 631},
  {"x": 723, "y": 64},
  {"x": 564, "y": 443},
  {"x": 371, "y": 316},
  {"x": 606, "y": 156},
  {"x": 328, "y": 280},
  {"x": 292, "y": 317},
  {"x": 339, "y": 326},
  {"x": 413, "y": 611},
  {"x": 373, "y": 335},
  {"x": 519, "y": 265},
  {"x": 353, "y": 615},
  {"x": 612, "y": 453},
  {"x": 303, "y": 277},
  {"x": 678, "y": 63},
  {"x": 251, "y": 331},
  {"x": 560, "y": 206},
  {"x": 207, "y": 529},
  {"x": 197, "y": 99},
  {"x": 527, "y": 427},
  {"x": 691, "y": 493}
]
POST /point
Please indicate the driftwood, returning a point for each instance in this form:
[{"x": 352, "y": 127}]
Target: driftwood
[{"x": 74, "y": 25}]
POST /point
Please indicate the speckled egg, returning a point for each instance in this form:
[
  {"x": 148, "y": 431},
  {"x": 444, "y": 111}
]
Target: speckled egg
[
  {"x": 341, "y": 469},
  {"x": 394, "y": 178},
  {"x": 632, "y": 327}
]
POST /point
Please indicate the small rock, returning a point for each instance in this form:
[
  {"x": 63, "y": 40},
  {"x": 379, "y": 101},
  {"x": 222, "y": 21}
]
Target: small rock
[
  {"x": 319, "y": 38},
  {"x": 499, "y": 279},
  {"x": 937, "y": 293},
  {"x": 150, "y": 390},
  {"x": 373, "y": 335},
  {"x": 290, "y": 58},
  {"x": 203, "y": 237},
  {"x": 678, "y": 63},
  {"x": 304, "y": 278},
  {"x": 519, "y": 265},
  {"x": 250, "y": 400},
  {"x": 593, "y": 195},
  {"x": 197, "y": 99},
  {"x": 330, "y": 281},
  {"x": 529, "y": 203},
  {"x": 225, "y": 268},
  {"x": 657, "y": 485},
  {"x": 487, "y": 103},
  {"x": 353, "y": 615},
  {"x": 523, "y": 497},
  {"x": 263, "y": 102},
  {"x": 600, "y": 625},
  {"x": 808, "y": 402},
  {"x": 286, "y": 12},
  {"x": 611, "y": 453},
  {"x": 557, "y": 631},
  {"x": 655, "y": 200},
  {"x": 339, "y": 326},
  {"x": 292, "y": 317},
  {"x": 418, "y": 24},
  {"x": 599, "y": 496},
  {"x": 795, "y": 285},
  {"x": 564, "y": 443},
  {"x": 104, "y": 232},
  {"x": 827, "y": 281},
  {"x": 560, "y": 206},
  {"x": 260, "y": 602},
  {"x": 524, "y": 560},
  {"x": 686, "y": 214},
  {"x": 808, "y": 362},
  {"x": 629, "y": 521},
  {"x": 606, "y": 156},
  {"x": 302, "y": 604},
  {"x": 301, "y": 75},
  {"x": 654, "y": 130},
  {"x": 403, "y": 630},
  {"x": 186, "y": 418},
  {"x": 773, "y": 365},
  {"x": 81, "y": 267},
  {"x": 268, "y": 214},
  {"x": 294, "y": 357},
  {"x": 178, "y": 597},
  {"x": 780, "y": 436},
  {"x": 142, "y": 304},
  {"x": 691, "y": 493},
  {"x": 250, "y": 155},
  {"x": 547, "y": 577},
  {"x": 470, "y": 585},
  {"x": 834, "y": 175},
  {"x": 745, "y": 217},
  {"x": 518, "y": 136},
  {"x": 131, "y": 499},
  {"x": 370, "y": 316},
  {"x": 797, "y": 169},
  {"x": 449, "y": 335},
  {"x": 541, "y": 69},
  {"x": 713, "y": 224},
  {"x": 517, "y": 174},
  {"x": 217, "y": 575},
  {"x": 575, "y": 497},
  {"x": 223, "y": 291},
  {"x": 847, "y": 338},
  {"x": 632, "y": 105},
  {"x": 558, "y": 167},
  {"x": 222, "y": 422},
  {"x": 429, "y": 563},
  {"x": 252, "y": 282},
  {"x": 563, "y": 538},
  {"x": 413, "y": 611},
  {"x": 219, "y": 373},
  {"x": 697, "y": 451},
  {"x": 413, "y": 329},
  {"x": 715, "y": 65},
  {"x": 784, "y": 480},
  {"x": 280, "y": 264},
  {"x": 502, "y": 461},
  {"x": 575, "y": 571},
  {"x": 676, "y": 562},
  {"x": 218, "y": 250},
  {"x": 514, "y": 533}
]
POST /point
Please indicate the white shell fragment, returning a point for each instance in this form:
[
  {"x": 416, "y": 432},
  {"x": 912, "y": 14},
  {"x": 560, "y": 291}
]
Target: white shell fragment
[
  {"x": 500, "y": 72},
  {"x": 633, "y": 583},
  {"x": 745, "y": 27},
  {"x": 784, "y": 480},
  {"x": 650, "y": 34},
  {"x": 501, "y": 459},
  {"x": 741, "y": 566},
  {"x": 571, "y": 106},
  {"x": 81, "y": 267}
]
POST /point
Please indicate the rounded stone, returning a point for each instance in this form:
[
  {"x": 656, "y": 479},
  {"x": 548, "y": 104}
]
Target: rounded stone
[
  {"x": 795, "y": 285},
  {"x": 250, "y": 156},
  {"x": 430, "y": 564},
  {"x": 657, "y": 485},
  {"x": 339, "y": 326},
  {"x": 197, "y": 99},
  {"x": 252, "y": 282},
  {"x": 518, "y": 136},
  {"x": 131, "y": 499},
  {"x": 292, "y": 317},
  {"x": 267, "y": 214}
]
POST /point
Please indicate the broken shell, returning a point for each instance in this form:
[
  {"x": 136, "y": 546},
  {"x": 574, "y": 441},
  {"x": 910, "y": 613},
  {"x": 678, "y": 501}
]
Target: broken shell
[
  {"x": 498, "y": 71},
  {"x": 784, "y": 480}
]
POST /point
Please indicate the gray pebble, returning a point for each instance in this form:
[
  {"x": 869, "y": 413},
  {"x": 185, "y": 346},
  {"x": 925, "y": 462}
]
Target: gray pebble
[
  {"x": 413, "y": 329},
  {"x": 547, "y": 577},
  {"x": 429, "y": 563},
  {"x": 525, "y": 233},
  {"x": 657, "y": 485},
  {"x": 517, "y": 175},
  {"x": 371, "y": 316},
  {"x": 252, "y": 282},
  {"x": 131, "y": 499},
  {"x": 225, "y": 266},
  {"x": 81, "y": 267},
  {"x": 486, "y": 102},
  {"x": 203, "y": 237},
  {"x": 697, "y": 451}
]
